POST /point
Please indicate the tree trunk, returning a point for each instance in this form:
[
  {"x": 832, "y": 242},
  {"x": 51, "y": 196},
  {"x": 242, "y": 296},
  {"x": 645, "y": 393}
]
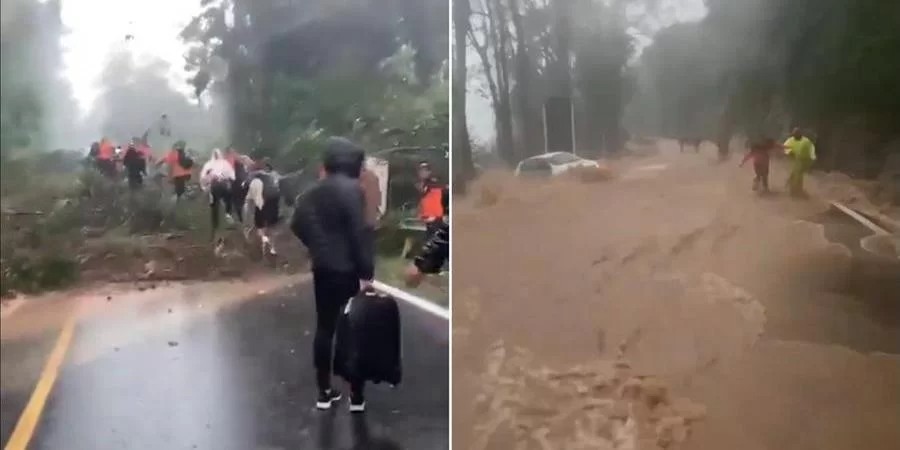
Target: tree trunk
[
  {"x": 503, "y": 111},
  {"x": 562, "y": 72},
  {"x": 461, "y": 155},
  {"x": 524, "y": 86}
]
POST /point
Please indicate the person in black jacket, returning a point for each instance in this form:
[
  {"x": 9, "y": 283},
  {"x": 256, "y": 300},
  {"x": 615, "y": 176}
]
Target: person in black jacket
[
  {"x": 436, "y": 248},
  {"x": 329, "y": 219},
  {"x": 135, "y": 167}
]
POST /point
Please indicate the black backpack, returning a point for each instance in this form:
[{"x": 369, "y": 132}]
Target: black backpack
[
  {"x": 134, "y": 161},
  {"x": 271, "y": 190},
  {"x": 184, "y": 160}
]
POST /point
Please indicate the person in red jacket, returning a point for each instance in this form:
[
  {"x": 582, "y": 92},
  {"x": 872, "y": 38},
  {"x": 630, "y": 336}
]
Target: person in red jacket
[{"x": 759, "y": 154}]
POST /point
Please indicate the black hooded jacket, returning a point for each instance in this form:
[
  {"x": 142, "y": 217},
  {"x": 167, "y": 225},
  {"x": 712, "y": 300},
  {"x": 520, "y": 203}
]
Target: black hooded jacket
[{"x": 329, "y": 217}]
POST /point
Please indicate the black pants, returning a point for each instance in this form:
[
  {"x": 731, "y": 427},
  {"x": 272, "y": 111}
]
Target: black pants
[
  {"x": 268, "y": 215},
  {"x": 219, "y": 193},
  {"x": 107, "y": 167},
  {"x": 180, "y": 183},
  {"x": 432, "y": 227},
  {"x": 238, "y": 196},
  {"x": 761, "y": 181},
  {"x": 332, "y": 291},
  {"x": 135, "y": 180}
]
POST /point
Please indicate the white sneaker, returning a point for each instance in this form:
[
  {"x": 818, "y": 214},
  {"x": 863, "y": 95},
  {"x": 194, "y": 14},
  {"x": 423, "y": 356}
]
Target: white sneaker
[
  {"x": 267, "y": 247},
  {"x": 357, "y": 407},
  {"x": 220, "y": 248},
  {"x": 327, "y": 398}
]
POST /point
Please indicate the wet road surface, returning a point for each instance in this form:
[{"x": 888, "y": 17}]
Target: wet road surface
[{"x": 180, "y": 368}]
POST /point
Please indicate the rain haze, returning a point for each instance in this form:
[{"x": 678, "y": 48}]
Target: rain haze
[
  {"x": 153, "y": 29},
  {"x": 478, "y": 108}
]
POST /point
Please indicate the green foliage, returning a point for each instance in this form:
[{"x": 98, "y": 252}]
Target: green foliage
[
  {"x": 761, "y": 66},
  {"x": 305, "y": 112},
  {"x": 35, "y": 102},
  {"x": 24, "y": 274},
  {"x": 603, "y": 48},
  {"x": 345, "y": 68}
]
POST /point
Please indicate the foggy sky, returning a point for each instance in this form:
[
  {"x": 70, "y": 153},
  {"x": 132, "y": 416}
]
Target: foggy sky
[{"x": 480, "y": 116}]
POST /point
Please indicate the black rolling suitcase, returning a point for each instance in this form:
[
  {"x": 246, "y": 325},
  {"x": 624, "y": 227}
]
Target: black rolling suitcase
[{"x": 367, "y": 343}]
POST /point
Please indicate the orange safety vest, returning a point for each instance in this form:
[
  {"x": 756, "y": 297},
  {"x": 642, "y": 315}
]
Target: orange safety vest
[
  {"x": 430, "y": 206},
  {"x": 175, "y": 168},
  {"x": 107, "y": 151}
]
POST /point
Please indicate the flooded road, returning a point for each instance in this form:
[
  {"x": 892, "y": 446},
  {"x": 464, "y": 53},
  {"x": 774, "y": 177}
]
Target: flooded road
[
  {"x": 209, "y": 366},
  {"x": 669, "y": 307}
]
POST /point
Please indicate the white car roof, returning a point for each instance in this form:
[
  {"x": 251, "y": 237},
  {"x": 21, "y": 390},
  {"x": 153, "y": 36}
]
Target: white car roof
[{"x": 549, "y": 155}]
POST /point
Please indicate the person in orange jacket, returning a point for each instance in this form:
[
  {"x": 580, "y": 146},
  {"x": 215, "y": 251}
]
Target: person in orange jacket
[
  {"x": 431, "y": 210},
  {"x": 180, "y": 166},
  {"x": 435, "y": 250},
  {"x": 106, "y": 158}
]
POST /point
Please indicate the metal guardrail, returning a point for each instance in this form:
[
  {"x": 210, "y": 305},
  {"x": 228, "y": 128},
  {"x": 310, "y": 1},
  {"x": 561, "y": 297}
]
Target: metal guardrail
[
  {"x": 412, "y": 225},
  {"x": 419, "y": 302},
  {"x": 868, "y": 243},
  {"x": 860, "y": 218}
]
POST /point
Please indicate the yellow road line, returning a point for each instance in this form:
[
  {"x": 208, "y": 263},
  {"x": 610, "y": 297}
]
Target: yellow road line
[{"x": 31, "y": 415}]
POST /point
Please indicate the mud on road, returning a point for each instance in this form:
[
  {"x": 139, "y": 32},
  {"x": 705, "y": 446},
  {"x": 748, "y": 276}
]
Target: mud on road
[{"x": 669, "y": 307}]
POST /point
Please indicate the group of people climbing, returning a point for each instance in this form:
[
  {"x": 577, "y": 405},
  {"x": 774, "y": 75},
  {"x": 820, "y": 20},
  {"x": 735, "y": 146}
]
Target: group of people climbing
[
  {"x": 231, "y": 180},
  {"x": 798, "y": 147},
  {"x": 235, "y": 182},
  {"x": 135, "y": 159}
]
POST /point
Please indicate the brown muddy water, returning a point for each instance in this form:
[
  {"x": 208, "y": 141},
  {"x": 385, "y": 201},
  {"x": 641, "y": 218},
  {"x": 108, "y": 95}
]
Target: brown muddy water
[{"x": 669, "y": 307}]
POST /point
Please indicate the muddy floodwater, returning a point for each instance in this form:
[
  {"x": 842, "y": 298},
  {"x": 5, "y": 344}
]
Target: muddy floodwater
[{"x": 670, "y": 307}]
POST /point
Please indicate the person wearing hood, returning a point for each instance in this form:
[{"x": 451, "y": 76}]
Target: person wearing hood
[
  {"x": 216, "y": 178},
  {"x": 264, "y": 197},
  {"x": 330, "y": 220}
]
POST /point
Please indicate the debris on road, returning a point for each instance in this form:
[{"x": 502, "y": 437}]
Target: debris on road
[
  {"x": 598, "y": 405},
  {"x": 173, "y": 343}
]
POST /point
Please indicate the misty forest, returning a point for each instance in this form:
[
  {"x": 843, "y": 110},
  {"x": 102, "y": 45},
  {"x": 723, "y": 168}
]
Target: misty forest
[
  {"x": 271, "y": 78},
  {"x": 747, "y": 68}
]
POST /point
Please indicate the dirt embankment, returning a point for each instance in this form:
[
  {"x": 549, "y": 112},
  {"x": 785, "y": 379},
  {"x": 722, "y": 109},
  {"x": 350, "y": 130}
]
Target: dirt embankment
[
  {"x": 115, "y": 256},
  {"x": 739, "y": 305},
  {"x": 88, "y": 230}
]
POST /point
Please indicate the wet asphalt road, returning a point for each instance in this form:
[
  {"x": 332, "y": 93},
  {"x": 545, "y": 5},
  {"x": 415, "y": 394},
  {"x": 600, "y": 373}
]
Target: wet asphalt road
[{"x": 169, "y": 374}]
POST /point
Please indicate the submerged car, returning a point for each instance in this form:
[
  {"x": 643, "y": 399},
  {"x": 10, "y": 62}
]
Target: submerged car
[{"x": 552, "y": 164}]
